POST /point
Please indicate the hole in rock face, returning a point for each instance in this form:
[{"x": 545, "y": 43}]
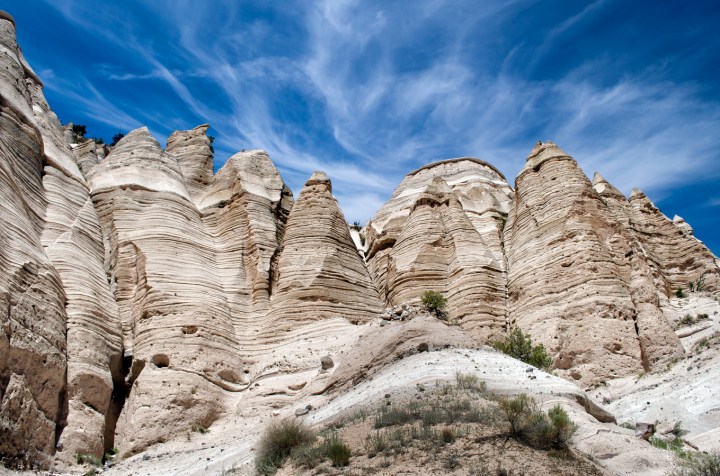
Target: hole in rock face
[
  {"x": 189, "y": 330},
  {"x": 161, "y": 360}
]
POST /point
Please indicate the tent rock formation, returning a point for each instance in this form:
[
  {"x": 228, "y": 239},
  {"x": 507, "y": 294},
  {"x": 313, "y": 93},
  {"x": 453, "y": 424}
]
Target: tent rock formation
[{"x": 139, "y": 290}]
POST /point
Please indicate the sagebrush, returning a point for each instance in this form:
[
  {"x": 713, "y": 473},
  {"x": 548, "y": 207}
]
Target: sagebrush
[
  {"x": 520, "y": 346},
  {"x": 535, "y": 427},
  {"x": 278, "y": 441}
]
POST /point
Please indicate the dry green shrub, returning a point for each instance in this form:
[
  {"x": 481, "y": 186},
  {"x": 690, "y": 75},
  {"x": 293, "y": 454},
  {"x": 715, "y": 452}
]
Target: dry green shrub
[
  {"x": 336, "y": 450},
  {"x": 448, "y": 435},
  {"x": 538, "y": 429},
  {"x": 518, "y": 412},
  {"x": 434, "y": 302},
  {"x": 552, "y": 429},
  {"x": 519, "y": 346},
  {"x": 698, "y": 464},
  {"x": 375, "y": 443},
  {"x": 470, "y": 382},
  {"x": 278, "y": 441}
]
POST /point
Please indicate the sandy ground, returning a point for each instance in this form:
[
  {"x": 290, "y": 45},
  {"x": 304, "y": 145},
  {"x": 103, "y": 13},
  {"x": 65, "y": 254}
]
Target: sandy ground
[
  {"x": 230, "y": 443},
  {"x": 688, "y": 391}
]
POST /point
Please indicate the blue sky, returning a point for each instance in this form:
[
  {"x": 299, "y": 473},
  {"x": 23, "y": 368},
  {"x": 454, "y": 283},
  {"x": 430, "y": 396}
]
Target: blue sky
[{"x": 370, "y": 90}]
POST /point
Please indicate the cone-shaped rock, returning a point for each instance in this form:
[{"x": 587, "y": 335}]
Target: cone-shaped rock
[
  {"x": 193, "y": 150},
  {"x": 87, "y": 155},
  {"x": 441, "y": 231},
  {"x": 320, "y": 274},
  {"x": 681, "y": 259},
  {"x": 245, "y": 211},
  {"x": 567, "y": 270}
]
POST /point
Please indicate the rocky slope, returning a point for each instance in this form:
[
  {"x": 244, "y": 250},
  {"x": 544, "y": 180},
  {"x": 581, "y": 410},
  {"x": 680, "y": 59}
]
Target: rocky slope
[{"x": 147, "y": 298}]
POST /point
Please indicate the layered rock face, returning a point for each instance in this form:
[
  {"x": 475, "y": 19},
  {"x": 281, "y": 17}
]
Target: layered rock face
[
  {"x": 441, "y": 230},
  {"x": 577, "y": 280},
  {"x": 143, "y": 295},
  {"x": 162, "y": 265},
  {"x": 682, "y": 260},
  {"x": 60, "y": 342},
  {"x": 193, "y": 152},
  {"x": 320, "y": 274}
]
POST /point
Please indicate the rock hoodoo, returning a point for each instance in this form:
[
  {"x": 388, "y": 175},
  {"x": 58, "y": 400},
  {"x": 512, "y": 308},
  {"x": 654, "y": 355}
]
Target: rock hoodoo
[
  {"x": 575, "y": 280},
  {"x": 319, "y": 271},
  {"x": 442, "y": 230}
]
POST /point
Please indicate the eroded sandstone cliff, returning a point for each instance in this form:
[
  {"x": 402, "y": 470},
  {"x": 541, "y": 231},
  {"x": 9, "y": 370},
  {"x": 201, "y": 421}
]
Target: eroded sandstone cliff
[
  {"x": 442, "y": 230},
  {"x": 144, "y": 295}
]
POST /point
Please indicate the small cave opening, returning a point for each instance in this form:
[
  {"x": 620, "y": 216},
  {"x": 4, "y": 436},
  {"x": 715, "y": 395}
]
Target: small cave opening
[{"x": 161, "y": 360}]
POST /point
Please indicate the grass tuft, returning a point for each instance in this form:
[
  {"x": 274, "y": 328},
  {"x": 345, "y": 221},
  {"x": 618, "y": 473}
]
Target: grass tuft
[
  {"x": 278, "y": 441},
  {"x": 698, "y": 464}
]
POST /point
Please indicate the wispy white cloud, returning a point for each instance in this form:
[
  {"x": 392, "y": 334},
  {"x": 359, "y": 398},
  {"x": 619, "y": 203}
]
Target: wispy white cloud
[
  {"x": 92, "y": 102},
  {"x": 370, "y": 90}
]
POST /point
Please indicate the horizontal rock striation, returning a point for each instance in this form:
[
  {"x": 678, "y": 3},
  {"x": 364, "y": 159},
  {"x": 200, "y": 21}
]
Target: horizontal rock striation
[
  {"x": 61, "y": 343},
  {"x": 162, "y": 263},
  {"x": 194, "y": 154},
  {"x": 682, "y": 260},
  {"x": 320, "y": 274},
  {"x": 575, "y": 280},
  {"x": 144, "y": 296},
  {"x": 441, "y": 231}
]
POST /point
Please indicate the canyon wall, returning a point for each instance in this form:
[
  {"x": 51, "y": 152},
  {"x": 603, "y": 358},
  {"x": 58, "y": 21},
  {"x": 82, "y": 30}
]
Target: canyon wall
[{"x": 140, "y": 289}]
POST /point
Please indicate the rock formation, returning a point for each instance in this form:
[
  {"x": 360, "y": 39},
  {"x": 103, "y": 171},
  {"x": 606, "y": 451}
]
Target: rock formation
[
  {"x": 576, "y": 281},
  {"x": 320, "y": 274},
  {"x": 441, "y": 230},
  {"x": 145, "y": 296},
  {"x": 193, "y": 151}
]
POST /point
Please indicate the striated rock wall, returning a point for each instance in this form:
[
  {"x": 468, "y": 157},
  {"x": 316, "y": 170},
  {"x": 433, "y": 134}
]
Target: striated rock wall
[
  {"x": 142, "y": 294},
  {"x": 193, "y": 151},
  {"x": 441, "y": 230},
  {"x": 576, "y": 281},
  {"x": 679, "y": 258},
  {"x": 320, "y": 274},
  {"x": 61, "y": 340},
  {"x": 162, "y": 262}
]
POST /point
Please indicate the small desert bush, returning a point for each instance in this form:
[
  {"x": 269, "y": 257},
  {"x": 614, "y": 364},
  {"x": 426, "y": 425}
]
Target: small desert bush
[
  {"x": 519, "y": 346},
  {"x": 278, "y": 441},
  {"x": 434, "y": 302},
  {"x": 198, "y": 428},
  {"x": 375, "y": 443},
  {"x": 307, "y": 456},
  {"x": 554, "y": 431},
  {"x": 698, "y": 464},
  {"x": 539, "y": 429},
  {"x": 674, "y": 444},
  {"x": 518, "y": 412},
  {"x": 90, "y": 459},
  {"x": 689, "y": 320},
  {"x": 679, "y": 293},
  {"x": 336, "y": 450},
  {"x": 470, "y": 382},
  {"x": 448, "y": 435}
]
